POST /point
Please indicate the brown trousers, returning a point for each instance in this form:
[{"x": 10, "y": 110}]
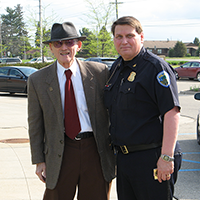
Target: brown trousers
[{"x": 81, "y": 168}]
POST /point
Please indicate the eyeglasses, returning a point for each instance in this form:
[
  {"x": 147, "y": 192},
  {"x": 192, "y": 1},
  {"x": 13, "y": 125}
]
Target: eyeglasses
[{"x": 68, "y": 43}]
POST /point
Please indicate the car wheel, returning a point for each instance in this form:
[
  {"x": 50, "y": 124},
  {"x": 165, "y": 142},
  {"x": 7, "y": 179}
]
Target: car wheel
[
  {"x": 176, "y": 74},
  {"x": 198, "y": 76},
  {"x": 198, "y": 130}
]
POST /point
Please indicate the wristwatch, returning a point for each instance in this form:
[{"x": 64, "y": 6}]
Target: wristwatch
[{"x": 167, "y": 158}]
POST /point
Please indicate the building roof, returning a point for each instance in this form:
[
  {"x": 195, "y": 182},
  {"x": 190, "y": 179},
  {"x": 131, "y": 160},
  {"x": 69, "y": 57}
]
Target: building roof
[
  {"x": 160, "y": 44},
  {"x": 191, "y": 46},
  {"x": 166, "y": 44}
]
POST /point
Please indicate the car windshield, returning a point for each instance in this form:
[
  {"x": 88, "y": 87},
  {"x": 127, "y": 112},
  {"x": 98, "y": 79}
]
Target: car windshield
[
  {"x": 27, "y": 71},
  {"x": 33, "y": 59}
]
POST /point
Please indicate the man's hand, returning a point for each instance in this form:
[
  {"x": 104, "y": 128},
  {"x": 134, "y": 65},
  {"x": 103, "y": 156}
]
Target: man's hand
[
  {"x": 165, "y": 169},
  {"x": 41, "y": 171}
]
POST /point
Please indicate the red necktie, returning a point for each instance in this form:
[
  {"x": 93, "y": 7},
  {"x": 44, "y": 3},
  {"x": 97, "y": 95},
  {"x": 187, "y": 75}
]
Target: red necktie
[{"x": 72, "y": 123}]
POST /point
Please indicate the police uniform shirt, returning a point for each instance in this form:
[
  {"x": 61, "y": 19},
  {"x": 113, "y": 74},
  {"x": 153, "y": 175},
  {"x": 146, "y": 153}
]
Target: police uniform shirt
[{"x": 137, "y": 95}]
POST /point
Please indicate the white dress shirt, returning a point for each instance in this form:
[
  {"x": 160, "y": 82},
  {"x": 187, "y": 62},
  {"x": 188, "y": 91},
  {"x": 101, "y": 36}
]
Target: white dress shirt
[{"x": 78, "y": 92}]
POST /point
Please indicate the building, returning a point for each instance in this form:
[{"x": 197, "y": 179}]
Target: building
[
  {"x": 161, "y": 48},
  {"x": 191, "y": 48}
]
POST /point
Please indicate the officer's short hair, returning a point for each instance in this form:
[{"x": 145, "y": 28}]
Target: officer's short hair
[{"x": 127, "y": 20}]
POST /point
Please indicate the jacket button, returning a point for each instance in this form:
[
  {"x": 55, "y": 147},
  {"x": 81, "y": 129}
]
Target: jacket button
[
  {"x": 61, "y": 142},
  {"x": 59, "y": 155}
]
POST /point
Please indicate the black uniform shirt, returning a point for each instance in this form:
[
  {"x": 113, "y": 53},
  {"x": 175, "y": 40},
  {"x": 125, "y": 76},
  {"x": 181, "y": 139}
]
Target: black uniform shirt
[{"x": 137, "y": 95}]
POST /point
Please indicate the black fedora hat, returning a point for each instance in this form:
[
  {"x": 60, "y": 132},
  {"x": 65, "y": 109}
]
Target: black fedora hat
[{"x": 64, "y": 31}]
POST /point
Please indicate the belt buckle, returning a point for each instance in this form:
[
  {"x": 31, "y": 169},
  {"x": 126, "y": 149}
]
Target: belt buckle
[
  {"x": 77, "y": 139},
  {"x": 124, "y": 149}
]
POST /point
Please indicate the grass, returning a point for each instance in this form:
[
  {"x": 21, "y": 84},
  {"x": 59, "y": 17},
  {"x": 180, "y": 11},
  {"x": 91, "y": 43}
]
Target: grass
[{"x": 194, "y": 88}]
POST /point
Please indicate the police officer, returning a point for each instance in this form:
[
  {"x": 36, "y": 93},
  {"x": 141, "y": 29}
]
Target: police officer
[{"x": 142, "y": 99}]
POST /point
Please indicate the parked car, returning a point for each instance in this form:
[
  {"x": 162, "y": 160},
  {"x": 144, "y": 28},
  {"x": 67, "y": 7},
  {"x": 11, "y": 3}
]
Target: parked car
[
  {"x": 39, "y": 60},
  {"x": 10, "y": 60},
  {"x": 13, "y": 79},
  {"x": 189, "y": 70},
  {"x": 49, "y": 59},
  {"x": 197, "y": 97},
  {"x": 79, "y": 58},
  {"x": 105, "y": 60}
]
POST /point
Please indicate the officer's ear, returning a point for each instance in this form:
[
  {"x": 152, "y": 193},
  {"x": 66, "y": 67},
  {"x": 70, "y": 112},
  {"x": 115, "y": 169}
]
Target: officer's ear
[{"x": 142, "y": 37}]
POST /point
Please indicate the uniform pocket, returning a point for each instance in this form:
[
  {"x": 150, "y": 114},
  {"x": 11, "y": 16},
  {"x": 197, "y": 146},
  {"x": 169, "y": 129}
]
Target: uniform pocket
[{"x": 127, "y": 96}]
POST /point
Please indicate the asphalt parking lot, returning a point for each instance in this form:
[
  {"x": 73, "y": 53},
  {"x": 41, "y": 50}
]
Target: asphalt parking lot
[
  {"x": 188, "y": 183},
  {"x": 17, "y": 176}
]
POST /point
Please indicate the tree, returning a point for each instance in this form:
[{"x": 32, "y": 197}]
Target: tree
[
  {"x": 198, "y": 51},
  {"x": 46, "y": 26},
  {"x": 196, "y": 41},
  {"x": 171, "y": 52},
  {"x": 14, "y": 33},
  {"x": 105, "y": 45},
  {"x": 100, "y": 43},
  {"x": 46, "y": 34},
  {"x": 180, "y": 49},
  {"x": 87, "y": 49}
]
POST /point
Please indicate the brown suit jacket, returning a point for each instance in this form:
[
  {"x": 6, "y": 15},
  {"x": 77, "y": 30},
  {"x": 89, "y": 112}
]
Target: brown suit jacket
[{"x": 45, "y": 118}]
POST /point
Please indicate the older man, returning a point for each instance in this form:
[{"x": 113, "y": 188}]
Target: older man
[{"x": 68, "y": 123}]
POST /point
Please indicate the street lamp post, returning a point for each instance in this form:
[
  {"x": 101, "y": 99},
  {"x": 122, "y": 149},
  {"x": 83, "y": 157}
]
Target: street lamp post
[
  {"x": 116, "y": 5},
  {"x": 40, "y": 18},
  {"x": 1, "y": 39}
]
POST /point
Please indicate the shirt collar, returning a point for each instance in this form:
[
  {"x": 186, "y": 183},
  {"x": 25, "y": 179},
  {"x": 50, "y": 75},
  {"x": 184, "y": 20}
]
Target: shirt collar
[
  {"x": 134, "y": 62},
  {"x": 74, "y": 68}
]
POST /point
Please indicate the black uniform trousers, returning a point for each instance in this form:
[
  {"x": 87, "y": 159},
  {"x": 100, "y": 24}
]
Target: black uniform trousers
[{"x": 135, "y": 180}]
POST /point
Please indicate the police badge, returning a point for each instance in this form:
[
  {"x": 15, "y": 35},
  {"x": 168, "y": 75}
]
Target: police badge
[{"x": 131, "y": 77}]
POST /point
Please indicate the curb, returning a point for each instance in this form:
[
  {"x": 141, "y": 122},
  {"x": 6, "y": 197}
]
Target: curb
[{"x": 189, "y": 92}]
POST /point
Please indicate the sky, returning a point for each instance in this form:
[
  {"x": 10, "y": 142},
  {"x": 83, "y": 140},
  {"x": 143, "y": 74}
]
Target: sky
[{"x": 160, "y": 19}]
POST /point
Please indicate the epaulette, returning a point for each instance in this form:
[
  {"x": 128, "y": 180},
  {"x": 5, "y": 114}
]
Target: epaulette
[{"x": 154, "y": 59}]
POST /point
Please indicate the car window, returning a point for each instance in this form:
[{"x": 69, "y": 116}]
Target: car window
[
  {"x": 14, "y": 72},
  {"x": 12, "y": 60},
  {"x": 195, "y": 64},
  {"x": 3, "y": 72},
  {"x": 3, "y": 61},
  {"x": 95, "y": 59},
  {"x": 27, "y": 71},
  {"x": 186, "y": 65},
  {"x": 33, "y": 59}
]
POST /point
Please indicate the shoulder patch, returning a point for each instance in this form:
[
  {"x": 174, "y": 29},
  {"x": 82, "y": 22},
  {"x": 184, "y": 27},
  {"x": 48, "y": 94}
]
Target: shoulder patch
[{"x": 163, "y": 79}]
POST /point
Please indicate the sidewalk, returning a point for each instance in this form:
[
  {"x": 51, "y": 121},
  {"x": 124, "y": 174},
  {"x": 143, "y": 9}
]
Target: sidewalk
[{"x": 17, "y": 175}]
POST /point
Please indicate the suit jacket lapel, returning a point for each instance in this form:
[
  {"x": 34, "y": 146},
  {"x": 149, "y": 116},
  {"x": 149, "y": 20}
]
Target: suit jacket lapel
[{"x": 53, "y": 91}]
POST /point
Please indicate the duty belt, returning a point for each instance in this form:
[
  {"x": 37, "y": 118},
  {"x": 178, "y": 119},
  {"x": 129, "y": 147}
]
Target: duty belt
[{"x": 125, "y": 149}]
